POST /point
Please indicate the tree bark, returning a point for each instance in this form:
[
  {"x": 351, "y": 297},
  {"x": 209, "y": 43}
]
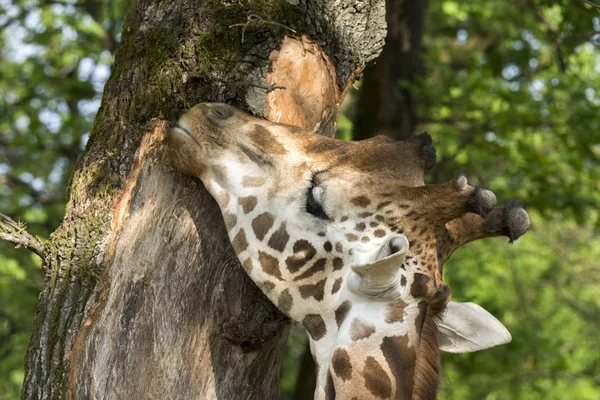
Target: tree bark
[
  {"x": 143, "y": 295},
  {"x": 386, "y": 105}
]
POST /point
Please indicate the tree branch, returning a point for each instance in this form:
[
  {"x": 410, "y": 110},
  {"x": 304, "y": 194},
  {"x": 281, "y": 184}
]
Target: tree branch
[
  {"x": 15, "y": 233},
  {"x": 596, "y": 6}
]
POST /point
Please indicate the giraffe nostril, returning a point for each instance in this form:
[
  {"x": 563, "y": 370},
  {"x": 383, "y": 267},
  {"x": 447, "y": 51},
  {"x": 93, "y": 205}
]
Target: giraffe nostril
[{"x": 396, "y": 244}]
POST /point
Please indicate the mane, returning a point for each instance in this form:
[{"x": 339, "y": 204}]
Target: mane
[{"x": 427, "y": 369}]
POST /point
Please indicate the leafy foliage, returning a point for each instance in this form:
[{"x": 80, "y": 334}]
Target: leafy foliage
[
  {"x": 544, "y": 290},
  {"x": 511, "y": 95}
]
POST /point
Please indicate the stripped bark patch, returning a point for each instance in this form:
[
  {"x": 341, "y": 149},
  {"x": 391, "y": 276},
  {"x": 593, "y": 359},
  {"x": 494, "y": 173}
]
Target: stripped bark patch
[
  {"x": 311, "y": 93},
  {"x": 149, "y": 146}
]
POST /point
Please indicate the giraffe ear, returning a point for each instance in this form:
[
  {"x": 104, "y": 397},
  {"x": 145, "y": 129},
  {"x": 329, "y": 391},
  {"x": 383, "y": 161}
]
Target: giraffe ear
[
  {"x": 467, "y": 327},
  {"x": 375, "y": 279}
]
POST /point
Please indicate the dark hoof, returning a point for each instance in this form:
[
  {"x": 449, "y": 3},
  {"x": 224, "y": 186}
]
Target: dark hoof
[
  {"x": 512, "y": 220},
  {"x": 427, "y": 151}
]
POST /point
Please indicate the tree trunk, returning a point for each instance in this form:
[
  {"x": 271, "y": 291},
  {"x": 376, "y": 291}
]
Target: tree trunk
[
  {"x": 386, "y": 105},
  {"x": 144, "y": 297}
]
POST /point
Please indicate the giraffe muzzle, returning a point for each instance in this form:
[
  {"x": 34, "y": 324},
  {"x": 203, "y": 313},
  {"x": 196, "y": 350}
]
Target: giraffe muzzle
[{"x": 379, "y": 277}]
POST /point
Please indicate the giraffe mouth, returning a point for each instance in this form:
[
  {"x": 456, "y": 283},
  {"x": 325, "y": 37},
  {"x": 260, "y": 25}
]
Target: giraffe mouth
[{"x": 182, "y": 130}]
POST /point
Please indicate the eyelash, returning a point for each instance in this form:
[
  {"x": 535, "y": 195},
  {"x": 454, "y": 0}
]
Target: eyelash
[{"x": 312, "y": 206}]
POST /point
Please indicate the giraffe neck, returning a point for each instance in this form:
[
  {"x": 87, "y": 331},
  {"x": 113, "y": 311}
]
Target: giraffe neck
[
  {"x": 361, "y": 345},
  {"x": 370, "y": 349}
]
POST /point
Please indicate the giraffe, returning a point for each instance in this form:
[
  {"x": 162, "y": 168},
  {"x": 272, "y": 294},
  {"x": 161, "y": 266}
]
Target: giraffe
[{"x": 346, "y": 238}]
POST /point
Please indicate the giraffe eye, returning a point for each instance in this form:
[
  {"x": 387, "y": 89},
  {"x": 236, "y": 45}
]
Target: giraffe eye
[{"x": 314, "y": 202}]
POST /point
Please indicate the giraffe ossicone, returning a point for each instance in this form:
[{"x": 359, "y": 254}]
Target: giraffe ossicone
[{"x": 346, "y": 238}]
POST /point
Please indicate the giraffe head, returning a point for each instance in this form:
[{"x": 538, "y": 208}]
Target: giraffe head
[{"x": 346, "y": 238}]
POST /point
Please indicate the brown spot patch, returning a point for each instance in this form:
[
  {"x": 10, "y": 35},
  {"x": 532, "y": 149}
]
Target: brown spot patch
[
  {"x": 381, "y": 205},
  {"x": 315, "y": 326},
  {"x": 379, "y": 218},
  {"x": 394, "y": 312},
  {"x": 261, "y": 224},
  {"x": 342, "y": 311},
  {"x": 360, "y": 329},
  {"x": 230, "y": 220},
  {"x": 318, "y": 266},
  {"x": 336, "y": 285},
  {"x": 379, "y": 233},
  {"x": 279, "y": 238},
  {"x": 266, "y": 286},
  {"x": 373, "y": 224},
  {"x": 365, "y": 239},
  {"x": 327, "y": 246},
  {"x": 303, "y": 253},
  {"x": 317, "y": 290},
  {"x": 344, "y": 218},
  {"x": 239, "y": 242},
  {"x": 351, "y": 237},
  {"x": 338, "y": 247},
  {"x": 248, "y": 203},
  {"x": 285, "y": 301},
  {"x": 248, "y": 265},
  {"x": 224, "y": 198},
  {"x": 340, "y": 362},
  {"x": 269, "y": 265},
  {"x": 360, "y": 201},
  {"x": 365, "y": 214},
  {"x": 360, "y": 227},
  {"x": 401, "y": 359},
  {"x": 220, "y": 174},
  {"x": 422, "y": 286},
  {"x": 265, "y": 141},
  {"x": 338, "y": 263},
  {"x": 376, "y": 379},
  {"x": 253, "y": 181}
]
